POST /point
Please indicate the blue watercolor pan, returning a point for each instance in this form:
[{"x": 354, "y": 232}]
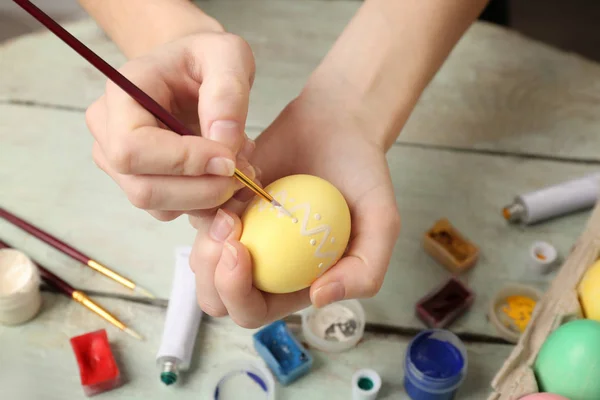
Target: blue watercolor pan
[{"x": 282, "y": 352}]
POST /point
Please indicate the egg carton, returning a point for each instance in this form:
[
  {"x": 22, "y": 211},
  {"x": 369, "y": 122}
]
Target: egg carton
[{"x": 559, "y": 304}]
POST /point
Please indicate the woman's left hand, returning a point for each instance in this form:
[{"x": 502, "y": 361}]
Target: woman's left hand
[{"x": 315, "y": 136}]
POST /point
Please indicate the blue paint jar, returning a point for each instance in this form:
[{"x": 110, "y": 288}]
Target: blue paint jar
[{"x": 435, "y": 365}]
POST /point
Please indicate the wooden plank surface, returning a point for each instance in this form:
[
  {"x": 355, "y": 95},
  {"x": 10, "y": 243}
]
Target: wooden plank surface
[
  {"x": 498, "y": 91},
  {"x": 498, "y": 94},
  {"x": 42, "y": 364},
  {"x": 49, "y": 178}
]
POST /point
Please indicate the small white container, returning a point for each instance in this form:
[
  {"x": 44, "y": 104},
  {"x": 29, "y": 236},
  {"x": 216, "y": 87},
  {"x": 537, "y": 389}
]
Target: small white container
[
  {"x": 365, "y": 384},
  {"x": 542, "y": 257},
  {"x": 334, "y": 328},
  {"x": 20, "y": 297},
  {"x": 495, "y": 314}
]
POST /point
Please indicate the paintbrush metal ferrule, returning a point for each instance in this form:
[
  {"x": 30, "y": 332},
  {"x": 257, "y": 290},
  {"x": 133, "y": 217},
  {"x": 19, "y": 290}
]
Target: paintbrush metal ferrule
[
  {"x": 110, "y": 273},
  {"x": 253, "y": 186},
  {"x": 119, "y": 278}
]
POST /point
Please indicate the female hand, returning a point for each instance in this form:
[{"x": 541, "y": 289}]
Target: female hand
[
  {"x": 204, "y": 80},
  {"x": 313, "y": 135}
]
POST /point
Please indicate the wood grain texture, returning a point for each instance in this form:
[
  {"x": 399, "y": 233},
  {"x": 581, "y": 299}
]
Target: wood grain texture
[
  {"x": 43, "y": 366},
  {"x": 497, "y": 91},
  {"x": 50, "y": 179}
]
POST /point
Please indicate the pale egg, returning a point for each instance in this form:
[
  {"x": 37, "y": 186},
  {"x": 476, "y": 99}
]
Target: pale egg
[{"x": 290, "y": 253}]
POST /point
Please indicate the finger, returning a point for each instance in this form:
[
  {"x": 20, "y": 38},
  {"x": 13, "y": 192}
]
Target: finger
[
  {"x": 248, "y": 149},
  {"x": 152, "y": 150},
  {"x": 165, "y": 216},
  {"x": 95, "y": 118},
  {"x": 246, "y": 305},
  {"x": 172, "y": 193},
  {"x": 227, "y": 72},
  {"x": 199, "y": 217},
  {"x": 361, "y": 272},
  {"x": 233, "y": 281},
  {"x": 206, "y": 253},
  {"x": 136, "y": 144}
]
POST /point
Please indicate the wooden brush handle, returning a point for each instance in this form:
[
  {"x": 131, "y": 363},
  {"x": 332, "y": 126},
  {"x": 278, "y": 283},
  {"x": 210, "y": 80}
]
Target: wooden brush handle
[{"x": 44, "y": 236}]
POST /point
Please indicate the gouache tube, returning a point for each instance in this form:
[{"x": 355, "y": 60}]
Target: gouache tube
[
  {"x": 181, "y": 323},
  {"x": 554, "y": 201}
]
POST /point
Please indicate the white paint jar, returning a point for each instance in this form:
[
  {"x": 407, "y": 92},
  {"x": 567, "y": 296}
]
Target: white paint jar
[{"x": 20, "y": 297}]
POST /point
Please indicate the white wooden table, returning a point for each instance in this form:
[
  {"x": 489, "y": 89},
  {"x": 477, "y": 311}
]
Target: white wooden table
[{"x": 504, "y": 115}]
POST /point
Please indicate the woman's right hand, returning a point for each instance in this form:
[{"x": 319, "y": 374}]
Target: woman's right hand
[{"x": 204, "y": 80}]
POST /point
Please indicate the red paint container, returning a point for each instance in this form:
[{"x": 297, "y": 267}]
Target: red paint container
[
  {"x": 444, "y": 304},
  {"x": 97, "y": 366}
]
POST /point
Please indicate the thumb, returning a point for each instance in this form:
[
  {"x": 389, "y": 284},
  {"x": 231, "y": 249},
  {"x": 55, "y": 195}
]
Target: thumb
[
  {"x": 223, "y": 98},
  {"x": 361, "y": 273}
]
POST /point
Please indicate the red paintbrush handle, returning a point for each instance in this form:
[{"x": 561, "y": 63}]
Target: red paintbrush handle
[
  {"x": 111, "y": 73},
  {"x": 46, "y": 237},
  {"x": 47, "y": 275},
  {"x": 55, "y": 280}
]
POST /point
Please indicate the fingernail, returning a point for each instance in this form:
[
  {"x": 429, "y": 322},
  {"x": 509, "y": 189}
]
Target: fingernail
[
  {"x": 222, "y": 226},
  {"x": 249, "y": 171},
  {"x": 328, "y": 294},
  {"x": 220, "y": 166},
  {"x": 225, "y": 132},
  {"x": 248, "y": 148},
  {"x": 229, "y": 256}
]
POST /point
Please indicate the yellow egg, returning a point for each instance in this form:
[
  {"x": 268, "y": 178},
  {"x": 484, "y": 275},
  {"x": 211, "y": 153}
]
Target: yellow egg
[
  {"x": 589, "y": 292},
  {"x": 289, "y": 253}
]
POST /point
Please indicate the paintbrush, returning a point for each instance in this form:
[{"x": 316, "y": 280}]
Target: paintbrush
[
  {"x": 78, "y": 296},
  {"x": 132, "y": 90},
  {"x": 72, "y": 252}
]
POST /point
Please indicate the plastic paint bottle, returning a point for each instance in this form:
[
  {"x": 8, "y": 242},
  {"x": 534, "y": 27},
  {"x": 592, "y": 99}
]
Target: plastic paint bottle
[{"x": 435, "y": 365}]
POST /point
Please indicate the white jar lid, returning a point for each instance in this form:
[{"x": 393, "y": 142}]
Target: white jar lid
[{"x": 335, "y": 327}]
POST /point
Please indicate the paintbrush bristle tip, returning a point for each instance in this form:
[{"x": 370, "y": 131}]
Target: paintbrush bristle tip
[
  {"x": 144, "y": 292},
  {"x": 133, "y": 333},
  {"x": 280, "y": 207}
]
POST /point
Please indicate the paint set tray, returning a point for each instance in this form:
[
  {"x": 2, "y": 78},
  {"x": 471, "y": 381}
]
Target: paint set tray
[{"x": 559, "y": 304}]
